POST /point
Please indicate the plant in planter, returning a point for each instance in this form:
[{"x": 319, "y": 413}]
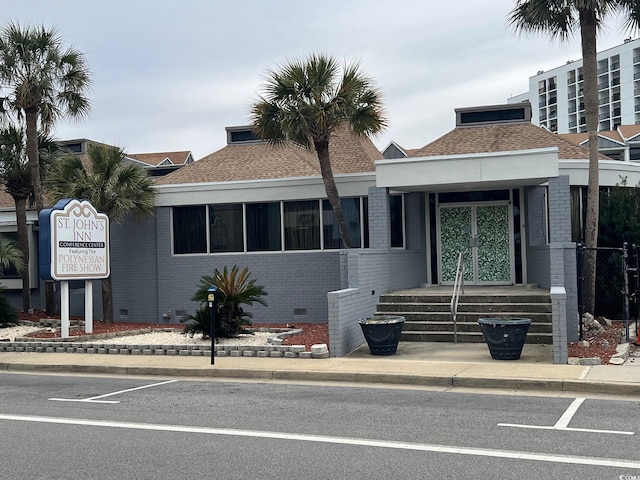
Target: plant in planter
[
  {"x": 382, "y": 333},
  {"x": 235, "y": 288},
  {"x": 505, "y": 336}
]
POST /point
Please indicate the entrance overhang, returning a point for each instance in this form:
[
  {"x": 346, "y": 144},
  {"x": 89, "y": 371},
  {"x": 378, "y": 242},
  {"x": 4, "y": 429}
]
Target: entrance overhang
[{"x": 477, "y": 171}]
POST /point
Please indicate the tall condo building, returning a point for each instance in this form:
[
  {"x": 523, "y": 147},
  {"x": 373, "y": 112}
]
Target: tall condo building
[{"x": 557, "y": 100}]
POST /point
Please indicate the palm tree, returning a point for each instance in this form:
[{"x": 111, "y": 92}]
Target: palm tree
[
  {"x": 112, "y": 186},
  {"x": 15, "y": 174},
  {"x": 307, "y": 100},
  {"x": 44, "y": 81},
  {"x": 10, "y": 254},
  {"x": 560, "y": 19}
]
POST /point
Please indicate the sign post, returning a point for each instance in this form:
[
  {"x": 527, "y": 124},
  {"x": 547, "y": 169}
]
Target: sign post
[
  {"x": 212, "y": 299},
  {"x": 74, "y": 245}
]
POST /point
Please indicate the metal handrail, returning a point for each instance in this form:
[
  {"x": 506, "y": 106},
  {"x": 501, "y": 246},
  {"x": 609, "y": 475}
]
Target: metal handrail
[{"x": 458, "y": 287}]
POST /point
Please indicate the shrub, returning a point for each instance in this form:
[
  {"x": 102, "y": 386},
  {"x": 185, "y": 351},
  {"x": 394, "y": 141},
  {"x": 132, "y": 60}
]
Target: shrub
[
  {"x": 235, "y": 288},
  {"x": 7, "y": 313}
]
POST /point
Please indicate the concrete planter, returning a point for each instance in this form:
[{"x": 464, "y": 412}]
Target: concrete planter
[
  {"x": 505, "y": 336},
  {"x": 382, "y": 333}
]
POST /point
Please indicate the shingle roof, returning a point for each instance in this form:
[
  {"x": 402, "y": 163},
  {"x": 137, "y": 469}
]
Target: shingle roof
[
  {"x": 629, "y": 131},
  {"x": 259, "y": 160},
  {"x": 6, "y": 200},
  {"x": 578, "y": 138},
  {"x": 500, "y": 138},
  {"x": 154, "y": 159}
]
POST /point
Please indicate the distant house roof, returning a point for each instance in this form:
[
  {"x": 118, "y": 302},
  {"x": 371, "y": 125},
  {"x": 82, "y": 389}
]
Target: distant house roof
[
  {"x": 628, "y": 132},
  {"x": 623, "y": 134},
  {"x": 500, "y": 138},
  {"x": 252, "y": 160},
  {"x": 6, "y": 200},
  {"x": 394, "y": 150},
  {"x": 163, "y": 159}
]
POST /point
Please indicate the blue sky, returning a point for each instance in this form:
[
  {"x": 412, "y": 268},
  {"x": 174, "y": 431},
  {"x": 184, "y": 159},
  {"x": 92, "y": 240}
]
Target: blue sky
[{"x": 171, "y": 75}]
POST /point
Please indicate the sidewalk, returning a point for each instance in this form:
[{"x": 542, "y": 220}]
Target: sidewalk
[{"x": 444, "y": 365}]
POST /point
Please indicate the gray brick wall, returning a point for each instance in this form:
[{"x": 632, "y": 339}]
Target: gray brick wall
[
  {"x": 293, "y": 280},
  {"x": 562, "y": 268},
  {"x": 379, "y": 219},
  {"x": 377, "y": 270},
  {"x": 369, "y": 271},
  {"x": 559, "y": 209},
  {"x": 302, "y": 286},
  {"x": 558, "y": 307},
  {"x": 134, "y": 271}
]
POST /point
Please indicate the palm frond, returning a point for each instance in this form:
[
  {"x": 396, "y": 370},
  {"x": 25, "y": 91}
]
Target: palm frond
[
  {"x": 10, "y": 254},
  {"x": 306, "y": 100},
  {"x": 111, "y": 185}
]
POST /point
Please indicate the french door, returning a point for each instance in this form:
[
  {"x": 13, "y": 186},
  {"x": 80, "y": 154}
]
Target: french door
[{"x": 482, "y": 232}]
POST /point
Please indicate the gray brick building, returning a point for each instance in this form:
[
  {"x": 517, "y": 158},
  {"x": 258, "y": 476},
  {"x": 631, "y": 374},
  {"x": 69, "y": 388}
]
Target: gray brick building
[{"x": 496, "y": 188}]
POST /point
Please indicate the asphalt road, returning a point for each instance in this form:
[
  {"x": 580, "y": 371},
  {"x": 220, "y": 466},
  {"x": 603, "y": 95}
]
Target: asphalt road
[{"x": 72, "y": 427}]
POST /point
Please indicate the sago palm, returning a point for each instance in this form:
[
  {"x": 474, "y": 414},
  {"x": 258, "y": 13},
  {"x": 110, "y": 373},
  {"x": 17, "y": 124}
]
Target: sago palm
[
  {"x": 305, "y": 101},
  {"x": 561, "y": 19},
  {"x": 111, "y": 185},
  {"x": 235, "y": 288}
]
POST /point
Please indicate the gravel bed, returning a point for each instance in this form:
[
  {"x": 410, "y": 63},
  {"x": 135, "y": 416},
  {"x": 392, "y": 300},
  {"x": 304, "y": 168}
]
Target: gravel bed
[
  {"x": 175, "y": 338},
  {"x": 152, "y": 338},
  {"x": 11, "y": 333}
]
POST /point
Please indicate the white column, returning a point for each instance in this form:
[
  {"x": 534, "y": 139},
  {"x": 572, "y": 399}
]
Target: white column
[
  {"x": 64, "y": 308},
  {"x": 88, "y": 306}
]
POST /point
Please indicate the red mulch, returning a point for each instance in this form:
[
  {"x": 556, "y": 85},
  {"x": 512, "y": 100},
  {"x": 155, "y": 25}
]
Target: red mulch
[
  {"x": 312, "y": 333},
  {"x": 612, "y": 335}
]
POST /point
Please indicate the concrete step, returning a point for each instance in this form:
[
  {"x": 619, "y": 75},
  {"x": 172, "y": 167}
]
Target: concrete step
[
  {"x": 441, "y": 298},
  {"x": 464, "y": 307},
  {"x": 469, "y": 316},
  {"x": 464, "y": 327},
  {"x": 468, "y": 337}
]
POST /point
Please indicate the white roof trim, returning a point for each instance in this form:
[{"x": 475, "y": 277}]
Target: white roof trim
[
  {"x": 533, "y": 151},
  {"x": 469, "y": 171},
  {"x": 392, "y": 142},
  {"x": 610, "y": 172},
  {"x": 294, "y": 188}
]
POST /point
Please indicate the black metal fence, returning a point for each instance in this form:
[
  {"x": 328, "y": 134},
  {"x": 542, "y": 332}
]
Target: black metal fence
[{"x": 617, "y": 283}]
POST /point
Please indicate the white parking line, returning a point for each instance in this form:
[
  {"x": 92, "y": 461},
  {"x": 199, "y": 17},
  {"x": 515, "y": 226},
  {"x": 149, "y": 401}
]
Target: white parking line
[
  {"x": 569, "y": 413},
  {"x": 482, "y": 452},
  {"x": 563, "y": 423},
  {"x": 97, "y": 399}
]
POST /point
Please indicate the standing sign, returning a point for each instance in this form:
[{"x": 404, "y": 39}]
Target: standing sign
[{"x": 74, "y": 245}]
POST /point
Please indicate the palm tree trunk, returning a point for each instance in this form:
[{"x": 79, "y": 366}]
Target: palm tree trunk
[
  {"x": 322, "y": 149},
  {"x": 31, "y": 115},
  {"x": 588, "y": 30},
  {"x": 107, "y": 301},
  {"x": 23, "y": 243},
  {"x": 32, "y": 154}
]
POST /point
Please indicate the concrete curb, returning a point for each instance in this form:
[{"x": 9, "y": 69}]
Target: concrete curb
[{"x": 444, "y": 381}]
